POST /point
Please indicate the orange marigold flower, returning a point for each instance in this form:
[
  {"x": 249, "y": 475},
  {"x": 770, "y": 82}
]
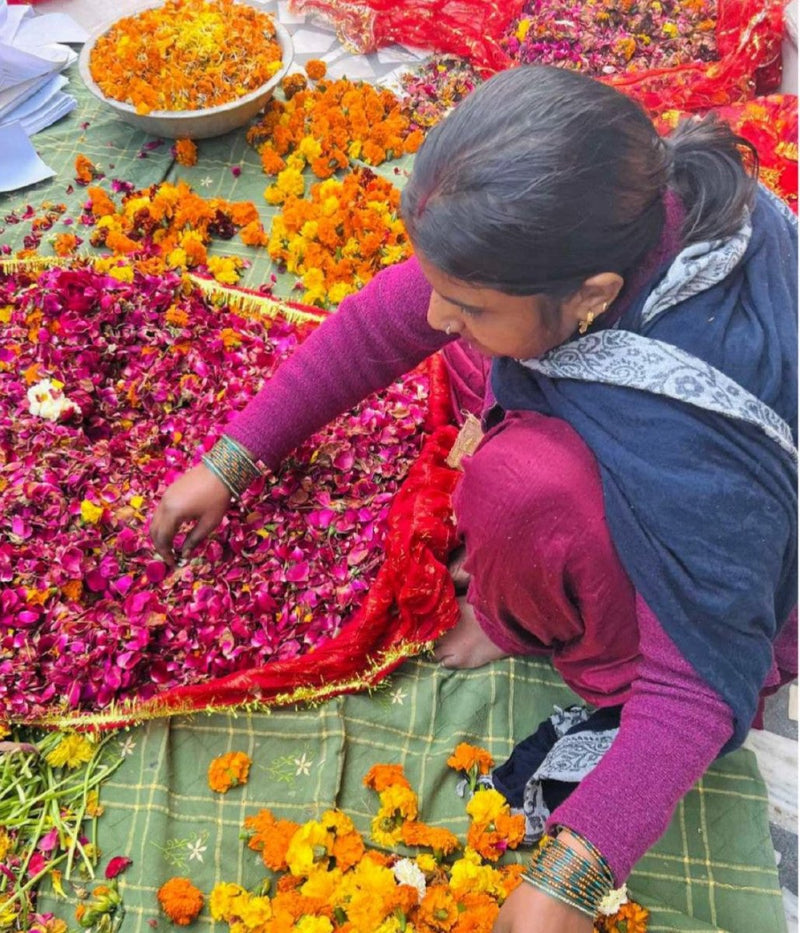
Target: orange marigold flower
[
  {"x": 228, "y": 770},
  {"x": 254, "y": 234},
  {"x": 379, "y": 777},
  {"x": 176, "y": 316},
  {"x": 630, "y": 918},
  {"x": 85, "y": 170},
  {"x": 316, "y": 69},
  {"x": 466, "y": 757},
  {"x": 65, "y": 244},
  {"x": 438, "y": 908},
  {"x": 293, "y": 84},
  {"x": 271, "y": 162},
  {"x": 180, "y": 900},
  {"x": 441, "y": 840},
  {"x": 185, "y": 152},
  {"x": 271, "y": 838}
]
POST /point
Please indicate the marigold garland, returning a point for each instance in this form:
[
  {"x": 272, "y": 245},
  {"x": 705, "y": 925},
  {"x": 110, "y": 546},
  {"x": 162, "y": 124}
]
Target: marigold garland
[{"x": 186, "y": 55}]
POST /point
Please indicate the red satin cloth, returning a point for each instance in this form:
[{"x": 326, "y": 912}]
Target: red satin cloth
[{"x": 411, "y": 602}]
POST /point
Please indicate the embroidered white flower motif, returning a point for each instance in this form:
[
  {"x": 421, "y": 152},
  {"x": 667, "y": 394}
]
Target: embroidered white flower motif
[
  {"x": 196, "y": 850},
  {"x": 207, "y": 181},
  {"x": 126, "y": 748},
  {"x": 398, "y": 696},
  {"x": 612, "y": 902},
  {"x": 408, "y": 872},
  {"x": 303, "y": 764}
]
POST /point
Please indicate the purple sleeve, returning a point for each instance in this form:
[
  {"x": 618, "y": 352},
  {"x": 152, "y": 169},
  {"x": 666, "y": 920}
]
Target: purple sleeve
[
  {"x": 672, "y": 729},
  {"x": 376, "y": 335}
]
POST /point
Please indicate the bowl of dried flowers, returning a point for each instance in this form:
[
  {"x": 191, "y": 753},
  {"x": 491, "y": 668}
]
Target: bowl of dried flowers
[{"x": 188, "y": 68}]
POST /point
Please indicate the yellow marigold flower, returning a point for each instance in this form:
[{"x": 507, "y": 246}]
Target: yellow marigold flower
[
  {"x": 291, "y": 181},
  {"x": 90, "y": 512},
  {"x": 225, "y": 269},
  {"x": 309, "y": 229},
  {"x": 427, "y": 863},
  {"x": 255, "y": 912},
  {"x": 322, "y": 885},
  {"x": 73, "y": 750},
  {"x": 486, "y": 806},
  {"x": 8, "y": 912},
  {"x": 93, "y": 805},
  {"x": 399, "y": 799},
  {"x": 226, "y": 900},
  {"x": 330, "y": 206},
  {"x": 339, "y": 291},
  {"x": 176, "y": 258},
  {"x": 469, "y": 874},
  {"x": 121, "y": 272},
  {"x": 309, "y": 844},
  {"x": 228, "y": 770},
  {"x": 309, "y": 924},
  {"x": 310, "y": 148},
  {"x": 522, "y": 29},
  {"x": 670, "y": 30},
  {"x": 5, "y": 844},
  {"x": 274, "y": 195}
]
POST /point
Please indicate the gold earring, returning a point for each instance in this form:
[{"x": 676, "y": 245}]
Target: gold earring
[{"x": 587, "y": 322}]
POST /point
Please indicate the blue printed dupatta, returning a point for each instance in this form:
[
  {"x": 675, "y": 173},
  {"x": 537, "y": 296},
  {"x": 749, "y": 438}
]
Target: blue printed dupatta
[{"x": 689, "y": 404}]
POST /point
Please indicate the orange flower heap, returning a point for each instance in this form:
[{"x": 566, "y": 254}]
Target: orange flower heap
[
  {"x": 336, "y": 240},
  {"x": 186, "y": 55},
  {"x": 228, "y": 770},
  {"x": 332, "y": 124},
  {"x": 169, "y": 226}
]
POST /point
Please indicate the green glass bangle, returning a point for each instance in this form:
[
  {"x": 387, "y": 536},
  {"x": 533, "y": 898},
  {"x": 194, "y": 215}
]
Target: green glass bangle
[
  {"x": 231, "y": 463},
  {"x": 570, "y": 877}
]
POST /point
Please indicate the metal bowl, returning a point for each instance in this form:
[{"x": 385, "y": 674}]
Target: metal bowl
[{"x": 191, "y": 124}]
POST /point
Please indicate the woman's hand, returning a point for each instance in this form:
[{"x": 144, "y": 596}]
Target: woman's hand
[
  {"x": 529, "y": 910},
  {"x": 197, "y": 496}
]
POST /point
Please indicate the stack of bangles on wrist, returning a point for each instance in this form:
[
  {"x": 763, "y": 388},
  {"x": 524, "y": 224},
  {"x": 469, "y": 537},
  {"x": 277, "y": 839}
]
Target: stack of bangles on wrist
[
  {"x": 231, "y": 464},
  {"x": 566, "y": 875}
]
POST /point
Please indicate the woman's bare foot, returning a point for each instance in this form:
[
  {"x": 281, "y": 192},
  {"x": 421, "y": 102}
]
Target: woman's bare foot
[{"x": 466, "y": 645}]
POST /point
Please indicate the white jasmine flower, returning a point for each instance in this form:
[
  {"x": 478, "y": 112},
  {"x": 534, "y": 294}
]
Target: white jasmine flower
[
  {"x": 47, "y": 400},
  {"x": 408, "y": 872},
  {"x": 612, "y": 902}
]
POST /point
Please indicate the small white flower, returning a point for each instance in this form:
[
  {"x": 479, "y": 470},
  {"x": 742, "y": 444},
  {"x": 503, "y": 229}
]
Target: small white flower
[
  {"x": 612, "y": 902},
  {"x": 398, "y": 696},
  {"x": 47, "y": 400},
  {"x": 207, "y": 181},
  {"x": 196, "y": 850},
  {"x": 408, "y": 872},
  {"x": 126, "y": 748},
  {"x": 303, "y": 764}
]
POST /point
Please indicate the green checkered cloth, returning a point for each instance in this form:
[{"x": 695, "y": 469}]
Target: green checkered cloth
[
  {"x": 118, "y": 150},
  {"x": 714, "y": 870}
]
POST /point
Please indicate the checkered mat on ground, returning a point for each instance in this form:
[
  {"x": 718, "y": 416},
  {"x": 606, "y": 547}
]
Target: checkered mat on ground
[{"x": 713, "y": 871}]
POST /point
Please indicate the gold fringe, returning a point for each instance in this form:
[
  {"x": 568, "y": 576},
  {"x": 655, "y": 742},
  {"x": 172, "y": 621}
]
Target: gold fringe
[
  {"x": 126, "y": 714},
  {"x": 258, "y": 306},
  {"x": 34, "y": 263}
]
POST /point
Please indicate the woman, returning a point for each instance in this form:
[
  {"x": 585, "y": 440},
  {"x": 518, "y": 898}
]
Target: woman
[{"x": 631, "y": 507}]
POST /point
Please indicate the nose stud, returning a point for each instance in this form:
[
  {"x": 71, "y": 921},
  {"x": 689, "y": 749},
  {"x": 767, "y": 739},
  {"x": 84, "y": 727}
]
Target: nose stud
[{"x": 448, "y": 328}]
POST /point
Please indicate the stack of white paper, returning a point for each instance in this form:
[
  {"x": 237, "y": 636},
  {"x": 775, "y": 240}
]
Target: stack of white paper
[{"x": 32, "y": 55}]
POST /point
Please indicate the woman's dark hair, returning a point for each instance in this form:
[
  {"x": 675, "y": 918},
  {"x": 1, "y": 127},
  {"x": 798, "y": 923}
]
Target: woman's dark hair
[{"x": 543, "y": 177}]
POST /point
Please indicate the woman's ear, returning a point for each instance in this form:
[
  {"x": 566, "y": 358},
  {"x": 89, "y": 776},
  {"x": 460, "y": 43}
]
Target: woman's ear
[{"x": 592, "y": 299}]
